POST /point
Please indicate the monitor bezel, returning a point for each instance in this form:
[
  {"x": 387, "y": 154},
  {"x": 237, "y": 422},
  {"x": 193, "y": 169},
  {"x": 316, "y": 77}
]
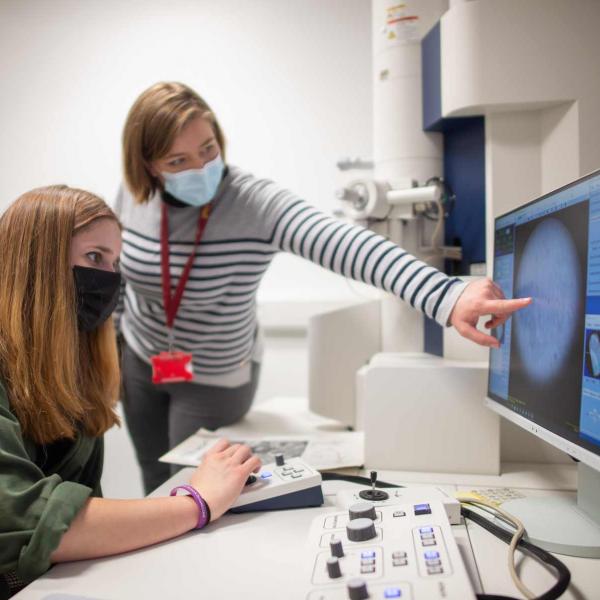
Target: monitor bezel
[
  {"x": 567, "y": 446},
  {"x": 570, "y": 448}
]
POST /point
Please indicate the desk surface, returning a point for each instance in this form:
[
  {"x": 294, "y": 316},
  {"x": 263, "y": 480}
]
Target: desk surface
[{"x": 261, "y": 555}]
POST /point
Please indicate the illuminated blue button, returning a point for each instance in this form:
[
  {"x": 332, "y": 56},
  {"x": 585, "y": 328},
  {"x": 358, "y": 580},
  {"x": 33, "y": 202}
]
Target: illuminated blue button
[
  {"x": 430, "y": 554},
  {"x": 426, "y": 529},
  {"x": 368, "y": 554},
  {"x": 422, "y": 509},
  {"x": 265, "y": 475},
  {"x": 392, "y": 593}
]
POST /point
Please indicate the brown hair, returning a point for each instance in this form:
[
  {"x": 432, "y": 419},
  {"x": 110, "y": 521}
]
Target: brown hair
[
  {"x": 59, "y": 380},
  {"x": 154, "y": 121}
]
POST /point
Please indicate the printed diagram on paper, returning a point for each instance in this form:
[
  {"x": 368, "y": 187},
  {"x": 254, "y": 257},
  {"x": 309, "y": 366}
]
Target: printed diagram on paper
[{"x": 285, "y": 428}]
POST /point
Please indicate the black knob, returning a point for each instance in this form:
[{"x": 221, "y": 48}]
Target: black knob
[
  {"x": 336, "y": 547},
  {"x": 333, "y": 567},
  {"x": 360, "y": 530},
  {"x": 279, "y": 460},
  {"x": 362, "y": 510},
  {"x": 357, "y": 589}
]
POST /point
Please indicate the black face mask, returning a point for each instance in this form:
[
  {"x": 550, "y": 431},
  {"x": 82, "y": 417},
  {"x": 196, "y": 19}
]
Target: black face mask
[{"x": 97, "y": 295}]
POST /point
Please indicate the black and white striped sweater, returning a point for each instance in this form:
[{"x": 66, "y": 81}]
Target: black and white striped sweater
[{"x": 251, "y": 220}]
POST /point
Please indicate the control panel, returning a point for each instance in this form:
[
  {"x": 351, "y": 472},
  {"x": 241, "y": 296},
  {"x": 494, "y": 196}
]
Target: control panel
[
  {"x": 283, "y": 484},
  {"x": 402, "y": 550}
]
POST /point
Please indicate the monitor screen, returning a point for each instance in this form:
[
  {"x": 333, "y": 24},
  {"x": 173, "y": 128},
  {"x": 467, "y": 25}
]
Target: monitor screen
[{"x": 547, "y": 369}]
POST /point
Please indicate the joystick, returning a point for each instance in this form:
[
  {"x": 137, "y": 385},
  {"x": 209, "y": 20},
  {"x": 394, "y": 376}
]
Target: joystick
[{"x": 374, "y": 495}]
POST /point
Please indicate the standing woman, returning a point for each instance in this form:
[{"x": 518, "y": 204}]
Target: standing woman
[
  {"x": 198, "y": 236},
  {"x": 59, "y": 381}
]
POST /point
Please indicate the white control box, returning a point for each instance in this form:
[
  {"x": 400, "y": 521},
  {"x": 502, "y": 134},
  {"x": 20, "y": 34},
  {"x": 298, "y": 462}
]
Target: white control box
[
  {"x": 405, "y": 550},
  {"x": 293, "y": 484},
  {"x": 424, "y": 413}
]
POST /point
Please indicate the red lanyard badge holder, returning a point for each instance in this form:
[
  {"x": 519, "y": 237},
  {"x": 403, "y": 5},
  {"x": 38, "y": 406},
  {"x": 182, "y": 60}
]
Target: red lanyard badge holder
[{"x": 174, "y": 366}]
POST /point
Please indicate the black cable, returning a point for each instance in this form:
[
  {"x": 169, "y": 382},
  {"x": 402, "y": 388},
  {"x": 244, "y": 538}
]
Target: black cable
[
  {"x": 494, "y": 597},
  {"x": 333, "y": 476},
  {"x": 564, "y": 575}
]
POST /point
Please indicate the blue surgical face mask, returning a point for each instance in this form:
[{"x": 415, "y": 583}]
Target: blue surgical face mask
[{"x": 196, "y": 187}]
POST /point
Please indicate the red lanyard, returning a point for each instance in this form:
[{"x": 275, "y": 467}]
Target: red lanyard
[{"x": 172, "y": 303}]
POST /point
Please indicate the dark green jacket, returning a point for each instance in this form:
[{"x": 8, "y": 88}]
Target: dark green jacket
[{"x": 42, "y": 488}]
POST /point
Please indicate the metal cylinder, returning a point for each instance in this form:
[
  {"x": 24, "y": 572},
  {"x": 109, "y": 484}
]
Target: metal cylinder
[{"x": 401, "y": 148}]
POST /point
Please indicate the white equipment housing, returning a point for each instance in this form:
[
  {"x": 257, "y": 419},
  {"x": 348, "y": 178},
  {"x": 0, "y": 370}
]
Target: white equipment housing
[{"x": 512, "y": 62}]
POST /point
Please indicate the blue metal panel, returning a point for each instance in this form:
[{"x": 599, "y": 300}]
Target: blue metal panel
[
  {"x": 464, "y": 171},
  {"x": 464, "y": 160},
  {"x": 434, "y": 337}
]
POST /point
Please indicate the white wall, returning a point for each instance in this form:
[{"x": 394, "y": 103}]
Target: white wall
[{"x": 289, "y": 81}]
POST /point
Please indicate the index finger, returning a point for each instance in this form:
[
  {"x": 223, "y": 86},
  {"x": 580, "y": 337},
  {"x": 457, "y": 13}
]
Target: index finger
[{"x": 504, "y": 307}]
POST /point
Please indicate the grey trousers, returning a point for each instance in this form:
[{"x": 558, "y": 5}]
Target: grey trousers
[{"x": 159, "y": 417}]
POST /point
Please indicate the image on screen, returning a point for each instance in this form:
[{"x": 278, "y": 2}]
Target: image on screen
[{"x": 550, "y": 258}]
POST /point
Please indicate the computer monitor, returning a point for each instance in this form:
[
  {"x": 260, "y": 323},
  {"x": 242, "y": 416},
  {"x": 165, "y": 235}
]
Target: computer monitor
[{"x": 545, "y": 377}]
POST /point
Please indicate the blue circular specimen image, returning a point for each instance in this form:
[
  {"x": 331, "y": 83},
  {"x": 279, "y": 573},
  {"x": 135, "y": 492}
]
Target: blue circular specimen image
[{"x": 549, "y": 272}]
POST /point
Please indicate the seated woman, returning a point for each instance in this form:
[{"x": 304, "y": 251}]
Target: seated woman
[{"x": 59, "y": 381}]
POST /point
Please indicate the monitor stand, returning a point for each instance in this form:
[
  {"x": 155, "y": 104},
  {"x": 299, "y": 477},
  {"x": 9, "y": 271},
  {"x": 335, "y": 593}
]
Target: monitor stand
[{"x": 563, "y": 525}]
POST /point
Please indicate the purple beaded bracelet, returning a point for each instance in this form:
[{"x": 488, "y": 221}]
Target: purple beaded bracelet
[{"x": 200, "y": 502}]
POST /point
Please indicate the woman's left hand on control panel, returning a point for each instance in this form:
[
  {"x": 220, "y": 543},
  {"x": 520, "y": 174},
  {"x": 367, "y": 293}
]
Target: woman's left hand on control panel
[{"x": 483, "y": 297}]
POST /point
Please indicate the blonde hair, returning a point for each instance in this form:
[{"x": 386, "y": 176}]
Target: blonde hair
[
  {"x": 154, "y": 121},
  {"x": 59, "y": 380}
]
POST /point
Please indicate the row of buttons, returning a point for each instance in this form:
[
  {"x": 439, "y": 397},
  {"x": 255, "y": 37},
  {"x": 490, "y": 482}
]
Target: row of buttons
[
  {"x": 433, "y": 562},
  {"x": 367, "y": 561},
  {"x": 399, "y": 559},
  {"x": 427, "y": 536}
]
